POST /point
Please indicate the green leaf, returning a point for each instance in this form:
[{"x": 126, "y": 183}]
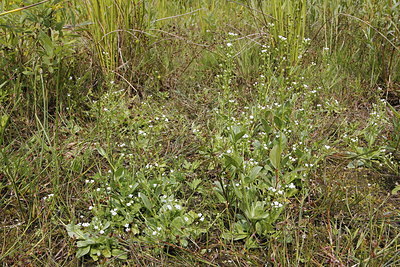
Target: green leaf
[
  {"x": 234, "y": 236},
  {"x": 231, "y": 161},
  {"x": 275, "y": 156},
  {"x": 106, "y": 225},
  {"x": 194, "y": 184},
  {"x": 219, "y": 196},
  {"x": 184, "y": 242},
  {"x": 120, "y": 172},
  {"x": 85, "y": 243},
  {"x": 251, "y": 243},
  {"x": 255, "y": 172},
  {"x": 120, "y": 254},
  {"x": 395, "y": 190},
  {"x": 395, "y": 112},
  {"x": 146, "y": 201},
  {"x": 47, "y": 43},
  {"x": 178, "y": 222},
  {"x": 256, "y": 211},
  {"x": 238, "y": 133},
  {"x": 27, "y": 73},
  {"x": 266, "y": 126},
  {"x": 82, "y": 251},
  {"x": 106, "y": 253},
  {"x": 3, "y": 123},
  {"x": 3, "y": 84},
  {"x": 74, "y": 231},
  {"x": 94, "y": 254},
  {"x": 278, "y": 122},
  {"x": 102, "y": 152},
  {"x": 238, "y": 192}
]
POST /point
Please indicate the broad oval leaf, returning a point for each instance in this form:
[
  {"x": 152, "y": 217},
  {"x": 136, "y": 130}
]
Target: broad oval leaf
[{"x": 275, "y": 156}]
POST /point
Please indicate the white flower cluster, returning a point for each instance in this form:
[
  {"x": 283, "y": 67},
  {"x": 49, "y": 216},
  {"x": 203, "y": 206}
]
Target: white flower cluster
[
  {"x": 276, "y": 204},
  {"x": 48, "y": 196},
  {"x": 114, "y": 212}
]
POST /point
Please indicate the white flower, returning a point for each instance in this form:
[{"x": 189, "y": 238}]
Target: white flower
[
  {"x": 186, "y": 219},
  {"x": 291, "y": 185},
  {"x": 229, "y": 44},
  {"x": 126, "y": 225},
  {"x": 85, "y": 224},
  {"x": 178, "y": 207},
  {"x": 101, "y": 232},
  {"x": 90, "y": 207},
  {"x": 113, "y": 213}
]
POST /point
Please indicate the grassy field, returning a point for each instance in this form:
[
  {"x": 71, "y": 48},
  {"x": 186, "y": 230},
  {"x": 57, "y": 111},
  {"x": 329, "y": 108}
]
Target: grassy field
[{"x": 200, "y": 132}]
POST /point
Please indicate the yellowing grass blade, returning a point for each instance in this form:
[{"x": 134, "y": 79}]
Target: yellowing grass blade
[{"x": 22, "y": 8}]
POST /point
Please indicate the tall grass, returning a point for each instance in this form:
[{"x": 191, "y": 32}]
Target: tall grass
[
  {"x": 117, "y": 31},
  {"x": 364, "y": 38},
  {"x": 285, "y": 21}
]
